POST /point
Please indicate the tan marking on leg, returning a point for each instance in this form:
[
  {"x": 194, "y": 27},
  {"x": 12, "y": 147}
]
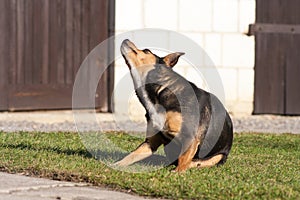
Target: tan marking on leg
[
  {"x": 185, "y": 159},
  {"x": 142, "y": 152},
  {"x": 173, "y": 122},
  {"x": 207, "y": 163}
]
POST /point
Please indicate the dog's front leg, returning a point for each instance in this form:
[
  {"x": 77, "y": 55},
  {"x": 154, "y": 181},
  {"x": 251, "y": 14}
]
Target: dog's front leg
[
  {"x": 142, "y": 152},
  {"x": 185, "y": 159}
]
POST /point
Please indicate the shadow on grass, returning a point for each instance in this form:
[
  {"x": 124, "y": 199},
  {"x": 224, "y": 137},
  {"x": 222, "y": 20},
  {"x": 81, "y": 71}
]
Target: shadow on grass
[
  {"x": 154, "y": 160},
  {"x": 79, "y": 152}
]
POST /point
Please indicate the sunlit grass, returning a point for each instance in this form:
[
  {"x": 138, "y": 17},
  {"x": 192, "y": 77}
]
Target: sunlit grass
[{"x": 260, "y": 166}]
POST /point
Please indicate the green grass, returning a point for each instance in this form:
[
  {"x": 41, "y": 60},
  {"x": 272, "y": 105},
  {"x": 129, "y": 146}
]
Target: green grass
[{"x": 260, "y": 166}]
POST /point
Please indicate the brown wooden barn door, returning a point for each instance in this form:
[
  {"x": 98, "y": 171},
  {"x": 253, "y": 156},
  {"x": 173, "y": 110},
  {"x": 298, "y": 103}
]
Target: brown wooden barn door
[
  {"x": 43, "y": 43},
  {"x": 277, "y": 58}
]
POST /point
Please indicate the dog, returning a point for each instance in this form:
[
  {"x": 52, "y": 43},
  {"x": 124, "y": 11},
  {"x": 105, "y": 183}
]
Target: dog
[{"x": 192, "y": 124}]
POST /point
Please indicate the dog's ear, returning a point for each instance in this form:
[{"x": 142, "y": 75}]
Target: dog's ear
[{"x": 172, "y": 58}]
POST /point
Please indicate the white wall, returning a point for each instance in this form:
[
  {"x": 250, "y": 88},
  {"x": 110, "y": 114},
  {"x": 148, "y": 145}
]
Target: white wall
[{"x": 218, "y": 26}]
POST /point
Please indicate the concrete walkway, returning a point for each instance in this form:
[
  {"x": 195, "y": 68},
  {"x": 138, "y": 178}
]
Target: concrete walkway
[{"x": 17, "y": 187}]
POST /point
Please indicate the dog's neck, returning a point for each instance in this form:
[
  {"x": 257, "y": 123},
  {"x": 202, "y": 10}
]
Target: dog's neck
[
  {"x": 139, "y": 80},
  {"x": 139, "y": 74}
]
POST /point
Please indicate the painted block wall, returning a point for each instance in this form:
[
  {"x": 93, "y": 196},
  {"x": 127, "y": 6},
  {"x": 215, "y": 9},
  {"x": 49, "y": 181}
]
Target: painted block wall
[{"x": 218, "y": 26}]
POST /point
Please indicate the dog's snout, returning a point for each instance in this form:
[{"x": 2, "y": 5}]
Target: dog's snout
[
  {"x": 125, "y": 47},
  {"x": 128, "y": 46},
  {"x": 125, "y": 42}
]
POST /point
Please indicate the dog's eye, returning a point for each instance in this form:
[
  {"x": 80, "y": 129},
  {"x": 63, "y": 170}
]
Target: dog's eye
[
  {"x": 134, "y": 51},
  {"x": 146, "y": 51}
]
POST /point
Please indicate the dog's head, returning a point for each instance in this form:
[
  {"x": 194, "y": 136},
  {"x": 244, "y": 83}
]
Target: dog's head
[{"x": 135, "y": 57}]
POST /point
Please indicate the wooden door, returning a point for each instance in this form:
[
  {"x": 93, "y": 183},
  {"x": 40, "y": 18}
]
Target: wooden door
[
  {"x": 43, "y": 43},
  {"x": 277, "y": 57}
]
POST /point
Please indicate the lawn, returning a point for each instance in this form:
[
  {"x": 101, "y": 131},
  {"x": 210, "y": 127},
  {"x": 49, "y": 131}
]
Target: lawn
[{"x": 260, "y": 166}]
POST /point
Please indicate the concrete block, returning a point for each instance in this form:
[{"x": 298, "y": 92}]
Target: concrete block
[
  {"x": 129, "y": 15},
  {"x": 238, "y": 51},
  {"x": 246, "y": 84},
  {"x": 225, "y": 15},
  {"x": 213, "y": 48},
  {"x": 228, "y": 79},
  {"x": 239, "y": 108},
  {"x": 195, "y": 15},
  {"x": 161, "y": 14},
  {"x": 151, "y": 39},
  {"x": 198, "y": 38},
  {"x": 246, "y": 14},
  {"x": 195, "y": 76}
]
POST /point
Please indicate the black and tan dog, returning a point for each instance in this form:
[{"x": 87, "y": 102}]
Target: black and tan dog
[{"x": 192, "y": 124}]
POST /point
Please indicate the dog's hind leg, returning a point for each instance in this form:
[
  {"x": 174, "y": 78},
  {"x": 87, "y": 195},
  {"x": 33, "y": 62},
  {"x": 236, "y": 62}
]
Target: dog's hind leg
[{"x": 208, "y": 162}]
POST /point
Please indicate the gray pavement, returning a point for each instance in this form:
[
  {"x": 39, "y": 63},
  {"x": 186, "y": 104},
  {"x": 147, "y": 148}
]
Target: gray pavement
[
  {"x": 88, "y": 121},
  {"x": 18, "y": 187}
]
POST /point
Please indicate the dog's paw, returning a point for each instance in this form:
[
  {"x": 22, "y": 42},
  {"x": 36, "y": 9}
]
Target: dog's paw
[
  {"x": 180, "y": 169},
  {"x": 176, "y": 171},
  {"x": 118, "y": 164}
]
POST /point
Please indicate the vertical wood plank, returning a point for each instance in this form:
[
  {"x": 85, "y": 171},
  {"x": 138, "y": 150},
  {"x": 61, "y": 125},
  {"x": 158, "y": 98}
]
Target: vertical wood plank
[
  {"x": 69, "y": 62},
  {"x": 4, "y": 16},
  {"x": 98, "y": 30},
  {"x": 53, "y": 42},
  {"x": 85, "y": 32},
  {"x": 28, "y": 53},
  {"x": 57, "y": 41},
  {"x": 46, "y": 44},
  {"x": 61, "y": 39},
  {"x": 40, "y": 41},
  {"x": 37, "y": 40},
  {"x": 77, "y": 18},
  {"x": 85, "y": 10},
  {"x": 292, "y": 76},
  {"x": 21, "y": 41},
  {"x": 12, "y": 41},
  {"x": 111, "y": 55},
  {"x": 270, "y": 64}
]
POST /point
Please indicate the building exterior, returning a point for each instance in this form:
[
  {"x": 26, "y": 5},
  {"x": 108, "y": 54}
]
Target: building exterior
[{"x": 218, "y": 26}]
